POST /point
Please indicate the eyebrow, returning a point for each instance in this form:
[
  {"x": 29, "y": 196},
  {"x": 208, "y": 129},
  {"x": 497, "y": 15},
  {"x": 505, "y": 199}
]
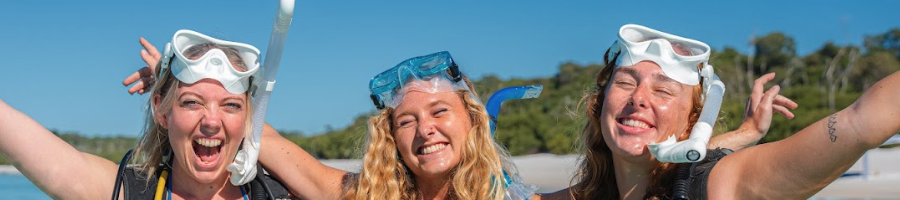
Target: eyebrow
[{"x": 658, "y": 77}]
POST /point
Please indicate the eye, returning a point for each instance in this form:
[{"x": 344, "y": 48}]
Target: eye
[
  {"x": 624, "y": 83},
  {"x": 234, "y": 105},
  {"x": 189, "y": 103},
  {"x": 405, "y": 123},
  {"x": 439, "y": 112},
  {"x": 665, "y": 91}
]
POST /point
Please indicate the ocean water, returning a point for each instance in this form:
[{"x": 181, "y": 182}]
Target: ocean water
[{"x": 16, "y": 186}]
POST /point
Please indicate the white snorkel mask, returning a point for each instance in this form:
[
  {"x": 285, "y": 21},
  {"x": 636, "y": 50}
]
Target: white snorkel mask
[
  {"x": 214, "y": 64},
  {"x": 683, "y": 60}
]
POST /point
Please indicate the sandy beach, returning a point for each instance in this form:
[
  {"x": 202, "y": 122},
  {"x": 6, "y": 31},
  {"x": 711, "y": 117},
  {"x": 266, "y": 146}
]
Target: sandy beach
[{"x": 553, "y": 172}]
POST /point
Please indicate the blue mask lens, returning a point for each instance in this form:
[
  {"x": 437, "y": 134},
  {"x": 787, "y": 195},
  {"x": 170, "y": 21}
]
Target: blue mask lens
[{"x": 390, "y": 81}]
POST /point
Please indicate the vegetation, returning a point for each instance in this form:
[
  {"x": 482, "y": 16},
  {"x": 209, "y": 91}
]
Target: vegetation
[{"x": 822, "y": 82}]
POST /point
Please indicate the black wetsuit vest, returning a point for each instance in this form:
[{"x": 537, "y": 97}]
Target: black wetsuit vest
[
  {"x": 692, "y": 178},
  {"x": 138, "y": 186}
]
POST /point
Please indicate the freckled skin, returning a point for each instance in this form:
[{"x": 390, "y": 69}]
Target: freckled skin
[
  {"x": 429, "y": 118},
  {"x": 641, "y": 92},
  {"x": 205, "y": 110}
]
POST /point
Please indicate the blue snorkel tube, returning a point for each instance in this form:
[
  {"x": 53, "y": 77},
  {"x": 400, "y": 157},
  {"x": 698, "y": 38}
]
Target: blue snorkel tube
[
  {"x": 515, "y": 92},
  {"x": 243, "y": 170},
  {"x": 515, "y": 189}
]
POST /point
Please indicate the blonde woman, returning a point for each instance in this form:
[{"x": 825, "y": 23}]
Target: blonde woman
[{"x": 195, "y": 122}]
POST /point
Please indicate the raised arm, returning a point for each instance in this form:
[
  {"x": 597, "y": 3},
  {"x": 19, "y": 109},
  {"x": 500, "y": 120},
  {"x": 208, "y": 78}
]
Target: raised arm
[
  {"x": 305, "y": 176},
  {"x": 757, "y": 117},
  {"x": 799, "y": 166},
  {"x": 50, "y": 163}
]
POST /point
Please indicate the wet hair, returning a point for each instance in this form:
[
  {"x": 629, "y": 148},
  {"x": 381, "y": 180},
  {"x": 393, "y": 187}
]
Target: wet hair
[{"x": 595, "y": 177}]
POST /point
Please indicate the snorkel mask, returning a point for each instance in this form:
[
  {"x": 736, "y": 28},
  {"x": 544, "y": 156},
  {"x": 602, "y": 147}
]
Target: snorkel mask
[
  {"x": 435, "y": 73},
  {"x": 430, "y": 73},
  {"x": 214, "y": 64},
  {"x": 683, "y": 60}
]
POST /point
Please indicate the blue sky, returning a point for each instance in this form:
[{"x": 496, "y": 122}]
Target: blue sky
[{"x": 63, "y": 61}]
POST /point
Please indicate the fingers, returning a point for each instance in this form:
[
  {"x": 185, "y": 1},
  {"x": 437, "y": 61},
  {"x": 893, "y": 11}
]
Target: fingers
[
  {"x": 784, "y": 111},
  {"x": 151, "y": 50},
  {"x": 765, "y": 104},
  {"x": 758, "y": 87},
  {"x": 139, "y": 74},
  {"x": 786, "y": 102},
  {"x": 141, "y": 86}
]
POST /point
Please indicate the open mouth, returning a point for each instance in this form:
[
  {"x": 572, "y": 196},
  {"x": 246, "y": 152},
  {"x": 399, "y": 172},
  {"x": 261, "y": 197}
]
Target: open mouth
[
  {"x": 634, "y": 123},
  {"x": 207, "y": 150},
  {"x": 429, "y": 149}
]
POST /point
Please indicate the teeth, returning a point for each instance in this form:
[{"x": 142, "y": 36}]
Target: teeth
[
  {"x": 433, "y": 148},
  {"x": 635, "y": 123},
  {"x": 208, "y": 142}
]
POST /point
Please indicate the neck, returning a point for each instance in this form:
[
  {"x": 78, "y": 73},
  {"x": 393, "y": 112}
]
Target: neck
[
  {"x": 433, "y": 188},
  {"x": 185, "y": 187},
  {"x": 632, "y": 179}
]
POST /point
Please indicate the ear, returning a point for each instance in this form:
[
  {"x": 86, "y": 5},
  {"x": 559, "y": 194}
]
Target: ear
[{"x": 159, "y": 117}]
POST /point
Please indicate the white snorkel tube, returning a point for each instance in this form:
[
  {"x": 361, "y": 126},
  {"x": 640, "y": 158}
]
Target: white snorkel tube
[
  {"x": 694, "y": 148},
  {"x": 243, "y": 170},
  {"x": 685, "y": 61}
]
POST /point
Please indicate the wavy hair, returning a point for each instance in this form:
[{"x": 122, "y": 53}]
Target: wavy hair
[
  {"x": 385, "y": 176},
  {"x": 153, "y": 149},
  {"x": 595, "y": 177}
]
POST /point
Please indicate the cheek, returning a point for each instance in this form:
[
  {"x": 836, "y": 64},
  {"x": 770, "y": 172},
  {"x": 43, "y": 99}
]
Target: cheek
[{"x": 403, "y": 139}]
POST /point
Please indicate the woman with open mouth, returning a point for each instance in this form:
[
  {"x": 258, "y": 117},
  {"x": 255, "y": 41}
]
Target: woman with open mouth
[{"x": 198, "y": 114}]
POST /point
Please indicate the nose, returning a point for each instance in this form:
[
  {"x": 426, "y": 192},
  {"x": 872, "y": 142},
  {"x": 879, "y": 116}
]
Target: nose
[
  {"x": 638, "y": 98},
  {"x": 211, "y": 123},
  {"x": 426, "y": 127}
]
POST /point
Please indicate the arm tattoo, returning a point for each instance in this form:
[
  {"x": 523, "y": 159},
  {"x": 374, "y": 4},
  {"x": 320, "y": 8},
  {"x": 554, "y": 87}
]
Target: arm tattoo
[{"x": 831, "y": 121}]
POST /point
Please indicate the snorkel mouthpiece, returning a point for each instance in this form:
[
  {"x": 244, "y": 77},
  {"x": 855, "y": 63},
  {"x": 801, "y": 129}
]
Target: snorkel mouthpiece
[{"x": 694, "y": 148}]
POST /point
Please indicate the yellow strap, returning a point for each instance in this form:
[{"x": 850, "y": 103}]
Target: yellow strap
[{"x": 161, "y": 185}]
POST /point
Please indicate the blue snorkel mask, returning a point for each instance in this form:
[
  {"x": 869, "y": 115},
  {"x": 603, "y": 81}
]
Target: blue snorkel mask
[
  {"x": 438, "y": 72},
  {"x": 429, "y": 73}
]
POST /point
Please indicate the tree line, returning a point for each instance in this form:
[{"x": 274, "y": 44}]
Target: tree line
[{"x": 822, "y": 82}]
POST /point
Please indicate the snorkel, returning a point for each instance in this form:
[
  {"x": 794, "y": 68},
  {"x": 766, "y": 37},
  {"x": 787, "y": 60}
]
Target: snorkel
[
  {"x": 683, "y": 60},
  {"x": 509, "y": 93},
  {"x": 515, "y": 187},
  {"x": 243, "y": 169}
]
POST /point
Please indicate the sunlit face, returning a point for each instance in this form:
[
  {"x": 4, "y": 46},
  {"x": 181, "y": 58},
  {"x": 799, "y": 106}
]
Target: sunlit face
[
  {"x": 206, "y": 125},
  {"x": 643, "y": 105},
  {"x": 430, "y": 131}
]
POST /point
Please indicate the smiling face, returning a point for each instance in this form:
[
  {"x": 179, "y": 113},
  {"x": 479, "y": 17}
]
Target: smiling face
[
  {"x": 430, "y": 131},
  {"x": 643, "y": 105},
  {"x": 205, "y": 125}
]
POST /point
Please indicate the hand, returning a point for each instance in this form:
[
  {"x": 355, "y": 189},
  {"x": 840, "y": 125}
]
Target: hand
[
  {"x": 145, "y": 74},
  {"x": 758, "y": 114}
]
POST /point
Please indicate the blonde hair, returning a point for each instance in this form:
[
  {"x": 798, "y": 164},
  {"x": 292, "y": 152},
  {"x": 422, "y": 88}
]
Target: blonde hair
[
  {"x": 154, "y": 142},
  {"x": 478, "y": 176},
  {"x": 595, "y": 176}
]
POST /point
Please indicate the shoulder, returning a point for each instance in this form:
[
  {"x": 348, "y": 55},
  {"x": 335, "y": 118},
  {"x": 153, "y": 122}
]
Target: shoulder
[{"x": 558, "y": 195}]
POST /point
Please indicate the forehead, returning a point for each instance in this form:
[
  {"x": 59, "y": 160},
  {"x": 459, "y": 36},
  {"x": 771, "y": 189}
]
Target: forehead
[
  {"x": 208, "y": 88},
  {"x": 644, "y": 69},
  {"x": 415, "y": 99}
]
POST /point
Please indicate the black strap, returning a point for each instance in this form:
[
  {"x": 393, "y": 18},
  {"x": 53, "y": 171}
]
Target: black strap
[
  {"x": 692, "y": 179},
  {"x": 263, "y": 187}
]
